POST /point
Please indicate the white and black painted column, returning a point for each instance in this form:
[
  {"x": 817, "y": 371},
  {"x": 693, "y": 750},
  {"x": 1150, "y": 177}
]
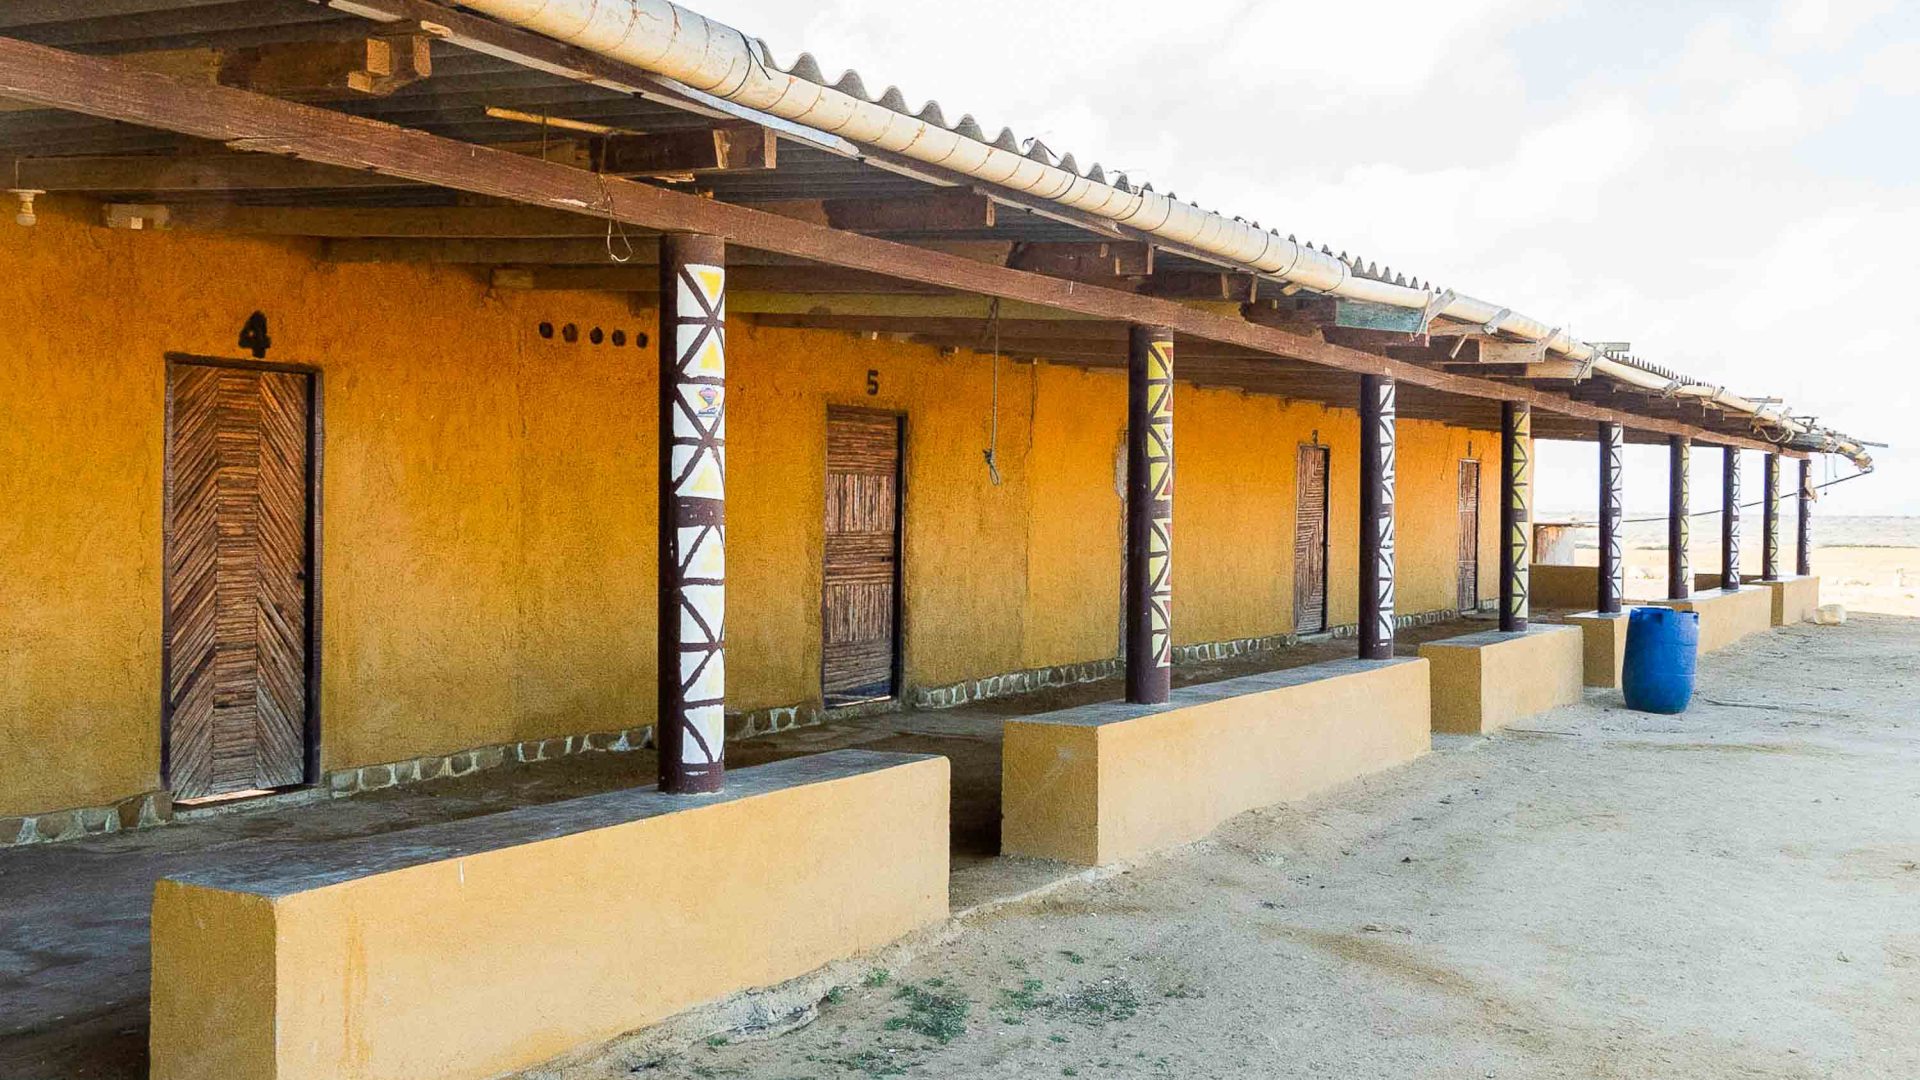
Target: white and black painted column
[
  {"x": 693, "y": 440},
  {"x": 1376, "y": 517},
  {"x": 1679, "y": 527},
  {"x": 1613, "y": 568},
  {"x": 1730, "y": 519},
  {"x": 1149, "y": 515},
  {"x": 1803, "y": 539},
  {"x": 1770, "y": 520},
  {"x": 1516, "y": 514}
]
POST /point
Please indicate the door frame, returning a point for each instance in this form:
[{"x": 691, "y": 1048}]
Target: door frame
[
  {"x": 315, "y": 431},
  {"x": 1479, "y": 502},
  {"x": 898, "y": 673},
  {"x": 1326, "y": 537}
]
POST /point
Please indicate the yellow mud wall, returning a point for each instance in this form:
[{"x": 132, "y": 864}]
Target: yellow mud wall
[{"x": 487, "y": 557}]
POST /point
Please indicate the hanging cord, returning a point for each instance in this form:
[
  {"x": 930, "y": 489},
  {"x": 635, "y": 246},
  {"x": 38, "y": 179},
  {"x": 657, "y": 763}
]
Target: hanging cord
[
  {"x": 613, "y": 223},
  {"x": 1762, "y": 501},
  {"x": 993, "y": 417}
]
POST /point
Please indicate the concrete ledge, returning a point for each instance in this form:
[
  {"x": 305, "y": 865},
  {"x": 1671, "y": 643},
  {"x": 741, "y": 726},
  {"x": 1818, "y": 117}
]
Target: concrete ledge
[
  {"x": 1795, "y": 599},
  {"x": 477, "y": 947},
  {"x": 1604, "y": 645},
  {"x": 1483, "y": 682},
  {"x": 1726, "y": 617},
  {"x": 1551, "y": 585},
  {"x": 1102, "y": 783}
]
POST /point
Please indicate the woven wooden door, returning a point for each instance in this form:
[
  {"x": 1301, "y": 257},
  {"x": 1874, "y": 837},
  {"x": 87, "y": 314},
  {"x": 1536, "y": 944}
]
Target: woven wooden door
[
  {"x": 1310, "y": 543},
  {"x": 861, "y": 594},
  {"x": 237, "y": 613},
  {"x": 1467, "y": 593}
]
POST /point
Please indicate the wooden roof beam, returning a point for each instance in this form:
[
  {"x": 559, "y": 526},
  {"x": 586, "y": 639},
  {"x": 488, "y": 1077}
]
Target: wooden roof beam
[{"x": 101, "y": 87}]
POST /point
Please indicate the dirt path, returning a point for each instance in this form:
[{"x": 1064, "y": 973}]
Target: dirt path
[{"x": 1732, "y": 893}]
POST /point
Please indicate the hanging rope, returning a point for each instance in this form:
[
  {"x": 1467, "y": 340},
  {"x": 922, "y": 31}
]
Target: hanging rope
[
  {"x": 1762, "y": 501},
  {"x": 993, "y": 416},
  {"x": 613, "y": 223}
]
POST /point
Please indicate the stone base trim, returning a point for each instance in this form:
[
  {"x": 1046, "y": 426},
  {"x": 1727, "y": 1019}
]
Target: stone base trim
[
  {"x": 1044, "y": 678},
  {"x": 135, "y": 812}
]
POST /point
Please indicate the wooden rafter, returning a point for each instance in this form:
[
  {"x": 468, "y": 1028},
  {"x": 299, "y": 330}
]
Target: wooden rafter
[{"x": 98, "y": 87}]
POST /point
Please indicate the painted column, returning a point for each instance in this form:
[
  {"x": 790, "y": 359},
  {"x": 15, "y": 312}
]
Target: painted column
[
  {"x": 1679, "y": 528},
  {"x": 1376, "y": 517},
  {"x": 1730, "y": 519},
  {"x": 1516, "y": 519},
  {"x": 1770, "y": 520},
  {"x": 1149, "y": 515},
  {"x": 1803, "y": 541},
  {"x": 693, "y": 434},
  {"x": 1613, "y": 568}
]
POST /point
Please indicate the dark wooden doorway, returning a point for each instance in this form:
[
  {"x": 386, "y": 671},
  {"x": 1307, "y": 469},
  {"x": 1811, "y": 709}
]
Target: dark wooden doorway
[
  {"x": 1467, "y": 592},
  {"x": 1310, "y": 543},
  {"x": 860, "y": 602},
  {"x": 241, "y": 478}
]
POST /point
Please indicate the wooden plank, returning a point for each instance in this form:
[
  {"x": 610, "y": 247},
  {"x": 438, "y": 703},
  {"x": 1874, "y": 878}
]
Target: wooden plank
[
  {"x": 742, "y": 281},
  {"x": 728, "y": 148},
  {"x": 192, "y": 172},
  {"x": 1362, "y": 315},
  {"x": 100, "y": 87},
  {"x": 940, "y": 211},
  {"x": 449, "y": 222},
  {"x": 1097, "y": 260}
]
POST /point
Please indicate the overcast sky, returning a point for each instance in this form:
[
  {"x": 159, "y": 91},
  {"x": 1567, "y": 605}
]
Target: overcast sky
[{"x": 1732, "y": 187}]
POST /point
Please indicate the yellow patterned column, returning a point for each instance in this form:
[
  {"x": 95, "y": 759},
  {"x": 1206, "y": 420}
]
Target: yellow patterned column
[
  {"x": 693, "y": 438},
  {"x": 1149, "y": 515}
]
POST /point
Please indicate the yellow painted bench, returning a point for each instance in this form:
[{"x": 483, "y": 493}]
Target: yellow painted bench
[
  {"x": 1106, "y": 782},
  {"x": 1483, "y": 682},
  {"x": 472, "y": 948},
  {"x": 1726, "y": 617}
]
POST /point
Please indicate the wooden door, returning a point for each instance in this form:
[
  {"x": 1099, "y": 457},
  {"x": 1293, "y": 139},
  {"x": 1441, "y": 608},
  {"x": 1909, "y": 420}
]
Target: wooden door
[
  {"x": 1310, "y": 543},
  {"x": 238, "y": 493},
  {"x": 860, "y": 605},
  {"x": 1467, "y": 592}
]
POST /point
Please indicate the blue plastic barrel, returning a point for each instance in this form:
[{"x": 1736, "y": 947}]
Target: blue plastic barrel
[{"x": 1662, "y": 644}]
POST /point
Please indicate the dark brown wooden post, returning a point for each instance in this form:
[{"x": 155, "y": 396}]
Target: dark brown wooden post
[
  {"x": 1376, "y": 517},
  {"x": 693, "y": 432},
  {"x": 1730, "y": 519},
  {"x": 1516, "y": 499},
  {"x": 1149, "y": 515},
  {"x": 1770, "y": 520},
  {"x": 1679, "y": 528},
  {"x": 1803, "y": 539},
  {"x": 1613, "y": 568}
]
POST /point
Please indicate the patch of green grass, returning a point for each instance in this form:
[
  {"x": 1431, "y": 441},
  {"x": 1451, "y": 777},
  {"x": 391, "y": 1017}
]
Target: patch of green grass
[
  {"x": 1072, "y": 957},
  {"x": 836, "y": 995},
  {"x": 879, "y": 977},
  {"x": 1025, "y": 999},
  {"x": 942, "y": 1017},
  {"x": 717, "y": 1040},
  {"x": 1184, "y": 991},
  {"x": 1068, "y": 1070},
  {"x": 1056, "y": 1038}
]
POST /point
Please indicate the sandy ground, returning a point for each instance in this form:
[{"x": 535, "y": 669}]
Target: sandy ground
[
  {"x": 1729, "y": 893},
  {"x": 1881, "y": 580}
]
